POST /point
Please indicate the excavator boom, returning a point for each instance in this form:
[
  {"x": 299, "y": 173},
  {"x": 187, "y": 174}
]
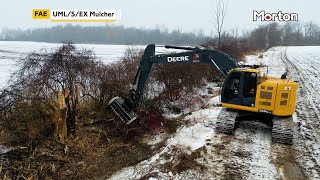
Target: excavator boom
[{"x": 124, "y": 108}]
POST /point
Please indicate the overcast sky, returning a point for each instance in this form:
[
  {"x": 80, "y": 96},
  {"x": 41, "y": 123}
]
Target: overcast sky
[{"x": 186, "y": 15}]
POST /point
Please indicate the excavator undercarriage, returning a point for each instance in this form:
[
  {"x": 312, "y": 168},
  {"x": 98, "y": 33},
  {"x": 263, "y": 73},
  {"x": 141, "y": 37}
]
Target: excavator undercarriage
[
  {"x": 282, "y": 127},
  {"x": 226, "y": 121},
  {"x": 282, "y": 130}
]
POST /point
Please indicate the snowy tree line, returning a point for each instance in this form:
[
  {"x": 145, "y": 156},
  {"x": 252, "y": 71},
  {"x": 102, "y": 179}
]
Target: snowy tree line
[
  {"x": 262, "y": 37},
  {"x": 275, "y": 34},
  {"x": 104, "y": 35},
  {"x": 266, "y": 36}
]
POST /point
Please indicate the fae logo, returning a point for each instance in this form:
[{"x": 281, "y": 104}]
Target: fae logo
[
  {"x": 40, "y": 14},
  {"x": 279, "y": 16}
]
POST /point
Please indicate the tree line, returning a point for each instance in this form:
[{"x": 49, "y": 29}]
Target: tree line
[
  {"x": 274, "y": 34},
  {"x": 107, "y": 34},
  {"x": 266, "y": 36},
  {"x": 262, "y": 37}
]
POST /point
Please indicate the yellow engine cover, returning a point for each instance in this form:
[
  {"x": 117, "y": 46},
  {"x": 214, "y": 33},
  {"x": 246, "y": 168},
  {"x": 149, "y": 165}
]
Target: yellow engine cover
[
  {"x": 277, "y": 96},
  {"x": 273, "y": 96}
]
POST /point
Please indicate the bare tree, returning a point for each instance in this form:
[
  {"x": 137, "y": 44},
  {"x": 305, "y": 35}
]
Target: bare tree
[
  {"x": 298, "y": 32},
  {"x": 67, "y": 69},
  {"x": 219, "y": 11}
]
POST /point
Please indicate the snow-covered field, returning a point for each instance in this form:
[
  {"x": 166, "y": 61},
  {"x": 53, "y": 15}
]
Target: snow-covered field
[
  {"x": 12, "y": 51},
  {"x": 249, "y": 154}
]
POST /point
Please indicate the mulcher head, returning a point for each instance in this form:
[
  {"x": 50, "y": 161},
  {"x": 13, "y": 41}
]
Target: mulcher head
[{"x": 122, "y": 110}]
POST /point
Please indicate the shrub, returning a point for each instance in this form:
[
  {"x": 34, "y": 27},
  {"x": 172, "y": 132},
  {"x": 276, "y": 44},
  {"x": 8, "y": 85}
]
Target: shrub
[{"x": 27, "y": 103}]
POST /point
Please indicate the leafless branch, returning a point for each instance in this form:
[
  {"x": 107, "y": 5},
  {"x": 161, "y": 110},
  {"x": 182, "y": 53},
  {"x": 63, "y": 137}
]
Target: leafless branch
[{"x": 219, "y": 13}]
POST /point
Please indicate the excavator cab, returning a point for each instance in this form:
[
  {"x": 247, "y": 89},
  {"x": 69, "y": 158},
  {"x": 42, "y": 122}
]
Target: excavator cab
[{"x": 240, "y": 87}]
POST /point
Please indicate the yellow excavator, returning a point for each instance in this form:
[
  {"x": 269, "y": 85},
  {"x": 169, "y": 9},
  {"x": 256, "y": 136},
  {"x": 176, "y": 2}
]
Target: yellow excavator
[{"x": 245, "y": 91}]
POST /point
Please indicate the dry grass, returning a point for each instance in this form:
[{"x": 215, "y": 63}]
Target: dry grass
[
  {"x": 254, "y": 52},
  {"x": 182, "y": 162},
  {"x": 92, "y": 153}
]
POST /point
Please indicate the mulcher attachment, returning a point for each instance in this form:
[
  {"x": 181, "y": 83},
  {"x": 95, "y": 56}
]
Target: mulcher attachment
[
  {"x": 282, "y": 130},
  {"x": 122, "y": 110}
]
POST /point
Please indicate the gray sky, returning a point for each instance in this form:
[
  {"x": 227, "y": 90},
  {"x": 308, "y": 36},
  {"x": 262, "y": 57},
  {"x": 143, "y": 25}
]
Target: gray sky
[{"x": 186, "y": 15}]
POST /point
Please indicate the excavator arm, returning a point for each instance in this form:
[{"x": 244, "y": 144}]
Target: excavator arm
[{"x": 125, "y": 108}]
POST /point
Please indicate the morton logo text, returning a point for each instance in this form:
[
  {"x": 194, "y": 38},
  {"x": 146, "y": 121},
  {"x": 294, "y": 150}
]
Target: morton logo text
[{"x": 279, "y": 16}]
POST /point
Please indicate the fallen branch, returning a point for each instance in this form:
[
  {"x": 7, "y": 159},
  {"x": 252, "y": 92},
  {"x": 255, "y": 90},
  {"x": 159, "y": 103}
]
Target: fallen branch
[{"x": 6, "y": 150}]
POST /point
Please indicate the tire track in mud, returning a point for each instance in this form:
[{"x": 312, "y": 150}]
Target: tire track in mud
[
  {"x": 306, "y": 142},
  {"x": 258, "y": 136},
  {"x": 227, "y": 156},
  {"x": 244, "y": 155},
  {"x": 223, "y": 157}
]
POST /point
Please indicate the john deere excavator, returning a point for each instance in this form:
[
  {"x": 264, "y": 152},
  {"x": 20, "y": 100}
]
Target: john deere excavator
[{"x": 244, "y": 91}]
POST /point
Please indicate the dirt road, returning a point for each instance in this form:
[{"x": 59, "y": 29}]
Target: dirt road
[{"x": 304, "y": 65}]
